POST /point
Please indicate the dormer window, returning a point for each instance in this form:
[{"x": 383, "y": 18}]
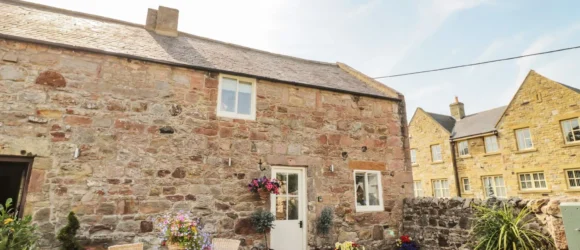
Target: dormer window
[{"x": 237, "y": 97}]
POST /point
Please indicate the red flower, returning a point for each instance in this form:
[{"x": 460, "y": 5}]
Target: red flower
[{"x": 405, "y": 239}]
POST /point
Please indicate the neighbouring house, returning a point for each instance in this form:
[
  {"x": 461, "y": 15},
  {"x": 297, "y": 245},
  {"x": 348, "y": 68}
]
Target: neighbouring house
[
  {"x": 120, "y": 122},
  {"x": 529, "y": 149}
]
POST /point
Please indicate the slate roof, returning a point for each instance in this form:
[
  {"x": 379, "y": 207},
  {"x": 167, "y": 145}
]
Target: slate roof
[
  {"x": 572, "y": 88},
  {"x": 43, "y": 24},
  {"x": 447, "y": 122},
  {"x": 477, "y": 123}
]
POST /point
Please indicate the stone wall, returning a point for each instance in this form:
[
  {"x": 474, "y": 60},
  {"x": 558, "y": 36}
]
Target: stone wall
[
  {"x": 150, "y": 142},
  {"x": 446, "y": 223}
]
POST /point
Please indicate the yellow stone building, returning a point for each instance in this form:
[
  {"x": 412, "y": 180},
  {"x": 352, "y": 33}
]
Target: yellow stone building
[{"x": 529, "y": 148}]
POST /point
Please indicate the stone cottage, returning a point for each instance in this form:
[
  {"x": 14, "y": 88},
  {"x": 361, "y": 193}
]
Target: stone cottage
[
  {"x": 528, "y": 149},
  {"x": 120, "y": 122}
]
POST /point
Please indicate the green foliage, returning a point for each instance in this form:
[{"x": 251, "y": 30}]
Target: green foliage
[
  {"x": 262, "y": 220},
  {"x": 16, "y": 233},
  {"x": 324, "y": 222},
  {"x": 67, "y": 234},
  {"x": 502, "y": 228}
]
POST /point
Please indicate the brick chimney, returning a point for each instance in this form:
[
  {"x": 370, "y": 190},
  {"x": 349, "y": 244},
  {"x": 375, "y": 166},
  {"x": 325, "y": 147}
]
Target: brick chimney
[
  {"x": 457, "y": 109},
  {"x": 163, "y": 21}
]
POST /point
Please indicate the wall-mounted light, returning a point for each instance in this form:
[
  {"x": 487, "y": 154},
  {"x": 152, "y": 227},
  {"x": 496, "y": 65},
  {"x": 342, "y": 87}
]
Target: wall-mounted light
[
  {"x": 260, "y": 165},
  {"x": 229, "y": 162},
  {"x": 331, "y": 167},
  {"x": 77, "y": 153}
]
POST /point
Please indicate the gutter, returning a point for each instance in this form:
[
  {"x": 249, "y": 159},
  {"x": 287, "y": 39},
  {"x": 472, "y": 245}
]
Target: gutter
[
  {"x": 474, "y": 136},
  {"x": 189, "y": 66},
  {"x": 454, "y": 161}
]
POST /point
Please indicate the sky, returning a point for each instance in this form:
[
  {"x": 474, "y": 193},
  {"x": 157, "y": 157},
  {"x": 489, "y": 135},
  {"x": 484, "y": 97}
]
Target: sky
[{"x": 391, "y": 37}]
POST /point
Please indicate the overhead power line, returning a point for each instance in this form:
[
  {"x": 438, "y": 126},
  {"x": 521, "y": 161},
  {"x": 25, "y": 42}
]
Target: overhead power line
[{"x": 478, "y": 63}]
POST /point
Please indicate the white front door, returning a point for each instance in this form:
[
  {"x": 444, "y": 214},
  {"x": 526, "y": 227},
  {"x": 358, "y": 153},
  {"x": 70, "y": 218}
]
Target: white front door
[{"x": 289, "y": 208}]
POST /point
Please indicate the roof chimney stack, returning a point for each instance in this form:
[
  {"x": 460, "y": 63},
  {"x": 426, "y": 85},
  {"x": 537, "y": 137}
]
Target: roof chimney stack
[
  {"x": 163, "y": 21},
  {"x": 457, "y": 109}
]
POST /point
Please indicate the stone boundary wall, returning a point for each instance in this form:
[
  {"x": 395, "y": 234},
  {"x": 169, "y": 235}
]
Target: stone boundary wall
[{"x": 445, "y": 223}]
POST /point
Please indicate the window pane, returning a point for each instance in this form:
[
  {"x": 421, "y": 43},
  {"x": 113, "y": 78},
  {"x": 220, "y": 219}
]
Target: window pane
[
  {"x": 577, "y": 173},
  {"x": 360, "y": 189},
  {"x": 293, "y": 184},
  {"x": 281, "y": 207},
  {"x": 293, "y": 208},
  {"x": 373, "y": 189},
  {"x": 413, "y": 156},
  {"x": 570, "y": 174},
  {"x": 244, "y": 98},
  {"x": 491, "y": 144},
  {"x": 281, "y": 177},
  {"x": 228, "y": 95}
]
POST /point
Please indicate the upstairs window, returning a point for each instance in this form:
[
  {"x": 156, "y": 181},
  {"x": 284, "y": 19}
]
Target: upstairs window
[
  {"x": 463, "y": 148},
  {"x": 573, "y": 178},
  {"x": 532, "y": 181},
  {"x": 237, "y": 97},
  {"x": 571, "y": 130},
  {"x": 491, "y": 145},
  {"x": 436, "y": 153},
  {"x": 368, "y": 191},
  {"x": 413, "y": 156},
  {"x": 524, "y": 138}
]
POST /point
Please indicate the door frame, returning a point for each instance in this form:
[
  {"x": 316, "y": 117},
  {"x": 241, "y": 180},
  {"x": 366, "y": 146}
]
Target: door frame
[
  {"x": 303, "y": 200},
  {"x": 21, "y": 159}
]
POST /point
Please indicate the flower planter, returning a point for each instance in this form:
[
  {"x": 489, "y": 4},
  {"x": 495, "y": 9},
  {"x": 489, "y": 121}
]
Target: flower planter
[
  {"x": 171, "y": 246},
  {"x": 264, "y": 196}
]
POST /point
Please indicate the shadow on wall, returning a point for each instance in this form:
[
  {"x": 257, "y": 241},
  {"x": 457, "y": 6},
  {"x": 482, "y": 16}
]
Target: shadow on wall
[{"x": 446, "y": 223}]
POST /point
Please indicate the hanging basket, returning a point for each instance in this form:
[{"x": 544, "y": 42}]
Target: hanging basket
[
  {"x": 172, "y": 246},
  {"x": 264, "y": 195}
]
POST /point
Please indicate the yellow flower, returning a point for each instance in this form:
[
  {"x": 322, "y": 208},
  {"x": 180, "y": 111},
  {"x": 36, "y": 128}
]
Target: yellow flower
[{"x": 6, "y": 221}]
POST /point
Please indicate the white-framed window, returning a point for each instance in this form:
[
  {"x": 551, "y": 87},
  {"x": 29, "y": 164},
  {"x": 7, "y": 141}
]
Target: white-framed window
[
  {"x": 494, "y": 186},
  {"x": 368, "y": 191},
  {"x": 524, "y": 138},
  {"x": 463, "y": 148},
  {"x": 441, "y": 188},
  {"x": 418, "y": 189},
  {"x": 236, "y": 97},
  {"x": 573, "y": 176},
  {"x": 571, "y": 130},
  {"x": 532, "y": 181},
  {"x": 436, "y": 153},
  {"x": 491, "y": 145},
  {"x": 413, "y": 156},
  {"x": 466, "y": 185}
]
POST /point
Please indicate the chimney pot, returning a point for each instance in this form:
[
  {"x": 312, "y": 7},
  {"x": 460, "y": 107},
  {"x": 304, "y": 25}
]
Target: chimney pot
[
  {"x": 151, "y": 22},
  {"x": 456, "y": 99}
]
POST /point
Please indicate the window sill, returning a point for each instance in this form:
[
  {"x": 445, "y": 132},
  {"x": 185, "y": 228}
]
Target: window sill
[
  {"x": 572, "y": 190},
  {"x": 491, "y": 154},
  {"x": 235, "y": 116},
  {"x": 571, "y": 144},
  {"x": 465, "y": 156},
  {"x": 437, "y": 162},
  {"x": 414, "y": 164},
  {"x": 526, "y": 151},
  {"x": 536, "y": 191},
  {"x": 369, "y": 209}
]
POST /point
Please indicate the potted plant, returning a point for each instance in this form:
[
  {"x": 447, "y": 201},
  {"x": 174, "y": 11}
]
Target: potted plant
[
  {"x": 263, "y": 222},
  {"x": 406, "y": 243},
  {"x": 16, "y": 233},
  {"x": 264, "y": 187},
  {"x": 182, "y": 231},
  {"x": 348, "y": 245},
  {"x": 67, "y": 235}
]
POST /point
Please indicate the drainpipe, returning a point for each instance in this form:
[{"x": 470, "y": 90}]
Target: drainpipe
[{"x": 454, "y": 161}]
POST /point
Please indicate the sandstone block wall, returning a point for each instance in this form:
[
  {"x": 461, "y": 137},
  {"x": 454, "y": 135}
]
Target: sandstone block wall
[
  {"x": 441, "y": 224},
  {"x": 150, "y": 142}
]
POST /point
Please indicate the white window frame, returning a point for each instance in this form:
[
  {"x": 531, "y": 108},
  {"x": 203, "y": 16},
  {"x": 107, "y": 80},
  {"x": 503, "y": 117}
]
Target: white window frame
[
  {"x": 445, "y": 192},
  {"x": 413, "y": 156},
  {"x": 533, "y": 178},
  {"x": 572, "y": 130},
  {"x": 494, "y": 186},
  {"x": 418, "y": 189},
  {"x": 491, "y": 144},
  {"x": 464, "y": 184},
  {"x": 463, "y": 148},
  {"x": 235, "y": 115},
  {"x": 575, "y": 177},
  {"x": 522, "y": 140},
  {"x": 369, "y": 208},
  {"x": 433, "y": 153}
]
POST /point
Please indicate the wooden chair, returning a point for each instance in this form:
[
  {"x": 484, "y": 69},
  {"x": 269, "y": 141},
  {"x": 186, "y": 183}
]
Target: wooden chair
[
  {"x": 136, "y": 246},
  {"x": 225, "y": 244}
]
